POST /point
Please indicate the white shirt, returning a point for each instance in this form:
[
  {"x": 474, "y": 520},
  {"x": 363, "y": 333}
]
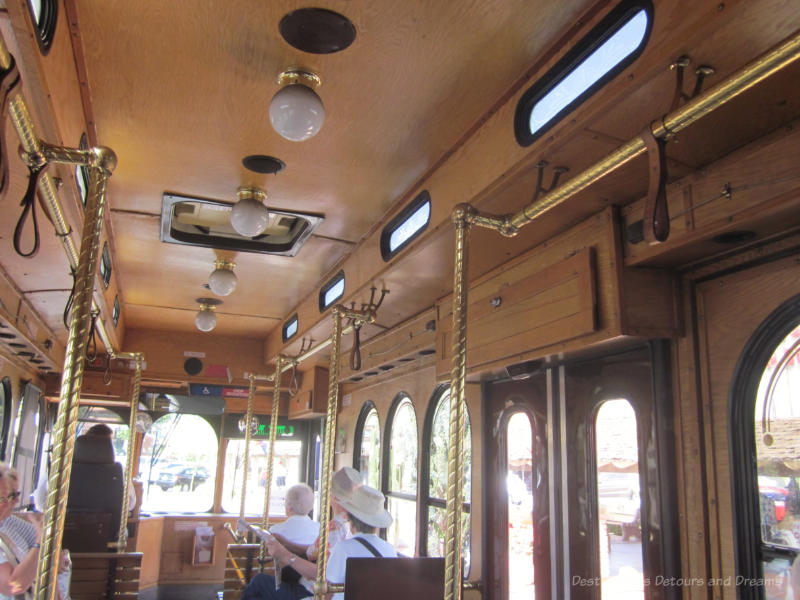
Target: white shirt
[
  {"x": 350, "y": 548},
  {"x": 299, "y": 529}
]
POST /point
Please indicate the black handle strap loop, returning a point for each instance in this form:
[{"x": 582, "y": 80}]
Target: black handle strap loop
[{"x": 28, "y": 205}]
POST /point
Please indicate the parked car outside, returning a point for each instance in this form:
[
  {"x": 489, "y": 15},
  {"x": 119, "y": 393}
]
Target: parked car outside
[{"x": 185, "y": 477}]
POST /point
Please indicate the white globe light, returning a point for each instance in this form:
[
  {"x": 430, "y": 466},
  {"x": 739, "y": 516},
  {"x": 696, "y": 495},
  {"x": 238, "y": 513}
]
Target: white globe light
[
  {"x": 222, "y": 280},
  {"x": 296, "y": 112},
  {"x": 249, "y": 217},
  {"x": 205, "y": 320}
]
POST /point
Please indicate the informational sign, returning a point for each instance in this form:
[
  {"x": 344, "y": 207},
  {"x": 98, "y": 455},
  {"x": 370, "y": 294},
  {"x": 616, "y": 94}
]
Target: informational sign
[{"x": 220, "y": 391}]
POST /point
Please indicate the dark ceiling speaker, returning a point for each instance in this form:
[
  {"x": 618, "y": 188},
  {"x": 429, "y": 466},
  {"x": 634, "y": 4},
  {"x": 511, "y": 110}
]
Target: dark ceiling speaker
[{"x": 193, "y": 366}]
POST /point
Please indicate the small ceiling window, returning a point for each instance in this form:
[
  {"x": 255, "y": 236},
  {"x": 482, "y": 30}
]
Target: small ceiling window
[
  {"x": 331, "y": 291},
  {"x": 82, "y": 173},
  {"x": 289, "y": 329},
  {"x": 406, "y": 226},
  {"x": 115, "y": 311},
  {"x": 45, "y": 15},
  {"x": 105, "y": 266},
  {"x": 610, "y": 47}
]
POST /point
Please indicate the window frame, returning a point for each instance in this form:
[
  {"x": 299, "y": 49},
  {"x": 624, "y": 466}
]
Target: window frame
[
  {"x": 7, "y": 388},
  {"x": 115, "y": 311},
  {"x": 600, "y": 33},
  {"x": 386, "y": 462},
  {"x": 45, "y": 26},
  {"x": 105, "y": 265},
  {"x": 398, "y": 221},
  {"x": 294, "y": 319},
  {"x": 752, "y": 551},
  {"x": 82, "y": 173},
  {"x": 424, "y": 478},
  {"x": 358, "y": 437},
  {"x": 332, "y": 282}
]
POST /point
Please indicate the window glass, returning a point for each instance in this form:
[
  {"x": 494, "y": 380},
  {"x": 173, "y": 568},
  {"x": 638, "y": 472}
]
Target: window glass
[
  {"x": 406, "y": 226},
  {"x": 519, "y": 485},
  {"x": 334, "y": 292},
  {"x": 402, "y": 492},
  {"x": 437, "y": 485},
  {"x": 613, "y": 44},
  {"x": 178, "y": 464},
  {"x": 369, "y": 462},
  {"x": 285, "y": 473},
  {"x": 115, "y": 311},
  {"x": 777, "y": 416},
  {"x": 290, "y": 328},
  {"x": 619, "y": 503},
  {"x": 105, "y": 266}
]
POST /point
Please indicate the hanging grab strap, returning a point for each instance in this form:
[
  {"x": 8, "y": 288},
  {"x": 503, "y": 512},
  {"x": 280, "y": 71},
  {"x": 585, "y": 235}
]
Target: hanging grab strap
[{"x": 28, "y": 205}]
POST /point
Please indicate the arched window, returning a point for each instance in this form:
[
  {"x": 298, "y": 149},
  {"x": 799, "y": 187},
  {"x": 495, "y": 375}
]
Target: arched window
[
  {"x": 367, "y": 451},
  {"x": 400, "y": 481},
  {"x": 436, "y": 438},
  {"x": 618, "y": 500},
  {"x": 765, "y": 417},
  {"x": 178, "y": 464}
]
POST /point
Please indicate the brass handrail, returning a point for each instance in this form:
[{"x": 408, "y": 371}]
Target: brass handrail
[{"x": 138, "y": 358}]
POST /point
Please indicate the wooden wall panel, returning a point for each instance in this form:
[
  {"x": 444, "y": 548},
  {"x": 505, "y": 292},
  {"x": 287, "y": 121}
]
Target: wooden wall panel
[{"x": 729, "y": 310}]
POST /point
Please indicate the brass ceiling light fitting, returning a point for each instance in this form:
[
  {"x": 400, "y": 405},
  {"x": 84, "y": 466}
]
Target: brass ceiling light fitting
[
  {"x": 296, "y": 111},
  {"x": 206, "y": 320},
  {"x": 222, "y": 280},
  {"x": 249, "y": 216}
]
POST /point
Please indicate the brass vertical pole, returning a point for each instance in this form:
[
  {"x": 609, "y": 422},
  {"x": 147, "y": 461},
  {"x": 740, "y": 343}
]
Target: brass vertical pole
[
  {"x": 273, "y": 433},
  {"x": 458, "y": 374},
  {"x": 102, "y": 162},
  {"x": 248, "y": 420},
  {"x": 327, "y": 452},
  {"x": 122, "y": 538}
]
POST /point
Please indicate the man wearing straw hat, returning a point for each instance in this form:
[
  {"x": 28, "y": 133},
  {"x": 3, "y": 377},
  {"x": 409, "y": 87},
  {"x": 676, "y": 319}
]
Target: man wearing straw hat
[
  {"x": 344, "y": 481},
  {"x": 366, "y": 513}
]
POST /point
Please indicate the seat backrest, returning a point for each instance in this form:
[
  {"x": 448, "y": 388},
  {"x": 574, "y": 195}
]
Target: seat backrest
[
  {"x": 96, "y": 484},
  {"x": 394, "y": 578},
  {"x": 105, "y": 576}
]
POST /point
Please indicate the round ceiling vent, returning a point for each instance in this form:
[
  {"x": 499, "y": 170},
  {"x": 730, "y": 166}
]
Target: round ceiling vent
[
  {"x": 260, "y": 163},
  {"x": 317, "y": 30}
]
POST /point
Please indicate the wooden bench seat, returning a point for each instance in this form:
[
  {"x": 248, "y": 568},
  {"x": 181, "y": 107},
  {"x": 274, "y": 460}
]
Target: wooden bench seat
[{"x": 105, "y": 575}]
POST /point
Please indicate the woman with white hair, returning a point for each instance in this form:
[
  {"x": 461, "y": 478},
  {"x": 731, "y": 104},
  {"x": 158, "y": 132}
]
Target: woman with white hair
[{"x": 19, "y": 540}]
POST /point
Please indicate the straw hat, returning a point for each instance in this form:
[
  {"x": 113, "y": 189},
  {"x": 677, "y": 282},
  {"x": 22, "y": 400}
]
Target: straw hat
[
  {"x": 366, "y": 504},
  {"x": 344, "y": 481}
]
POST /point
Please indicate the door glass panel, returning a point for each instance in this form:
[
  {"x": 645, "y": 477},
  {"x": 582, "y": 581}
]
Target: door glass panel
[
  {"x": 777, "y": 426},
  {"x": 619, "y": 503},
  {"x": 519, "y": 483}
]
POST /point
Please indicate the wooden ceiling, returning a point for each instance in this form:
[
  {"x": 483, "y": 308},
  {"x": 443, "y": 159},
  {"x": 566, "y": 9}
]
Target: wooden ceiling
[{"x": 180, "y": 91}]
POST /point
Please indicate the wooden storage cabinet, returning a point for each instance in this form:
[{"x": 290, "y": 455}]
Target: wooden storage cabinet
[
  {"x": 311, "y": 400},
  {"x": 570, "y": 293}
]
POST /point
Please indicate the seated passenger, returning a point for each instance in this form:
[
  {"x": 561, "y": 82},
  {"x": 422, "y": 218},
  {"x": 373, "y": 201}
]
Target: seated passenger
[
  {"x": 344, "y": 481},
  {"x": 298, "y": 526},
  {"x": 19, "y": 542},
  {"x": 366, "y": 514}
]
